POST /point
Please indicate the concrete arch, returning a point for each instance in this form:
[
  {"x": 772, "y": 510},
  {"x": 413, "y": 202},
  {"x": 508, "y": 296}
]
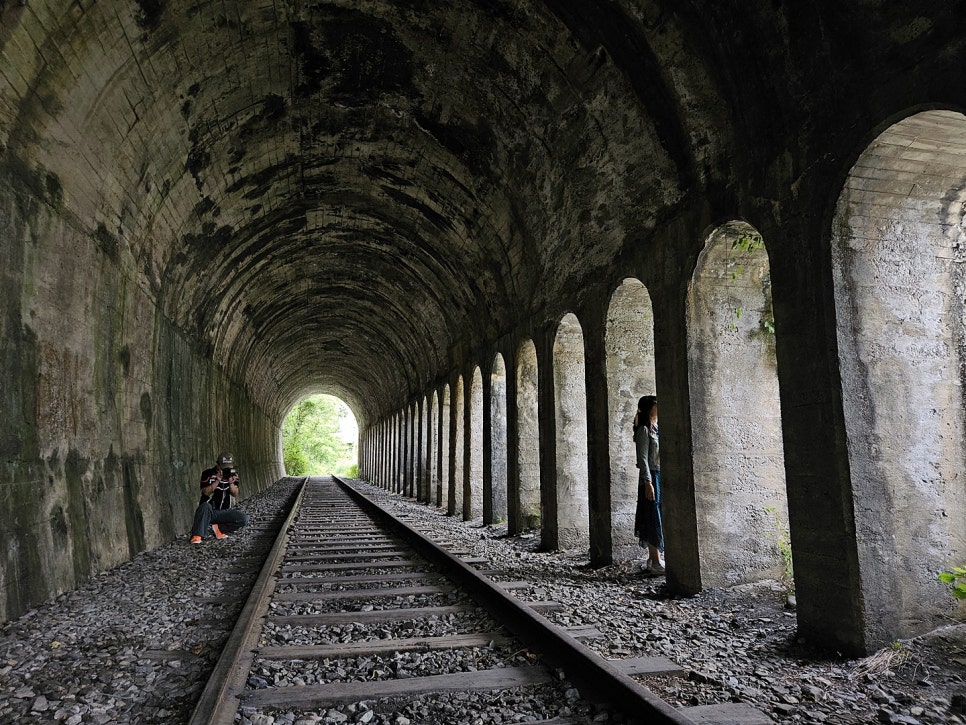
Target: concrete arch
[
  {"x": 400, "y": 478},
  {"x": 498, "y": 441},
  {"x": 473, "y": 503},
  {"x": 570, "y": 409},
  {"x": 528, "y": 436},
  {"x": 384, "y": 453},
  {"x": 413, "y": 443},
  {"x": 199, "y": 219},
  {"x": 444, "y": 482},
  {"x": 898, "y": 255},
  {"x": 395, "y": 483},
  {"x": 739, "y": 475},
  {"x": 457, "y": 448},
  {"x": 388, "y": 453},
  {"x": 430, "y": 446},
  {"x": 629, "y": 343}
]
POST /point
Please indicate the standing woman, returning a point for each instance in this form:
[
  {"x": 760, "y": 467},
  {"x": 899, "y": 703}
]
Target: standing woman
[{"x": 647, "y": 521}]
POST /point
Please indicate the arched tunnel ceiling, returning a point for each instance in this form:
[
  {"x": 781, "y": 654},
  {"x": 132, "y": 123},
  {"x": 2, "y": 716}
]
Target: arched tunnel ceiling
[{"x": 333, "y": 195}]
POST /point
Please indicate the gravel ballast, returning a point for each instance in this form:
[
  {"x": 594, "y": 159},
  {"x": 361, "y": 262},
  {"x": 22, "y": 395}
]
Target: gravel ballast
[{"x": 137, "y": 643}]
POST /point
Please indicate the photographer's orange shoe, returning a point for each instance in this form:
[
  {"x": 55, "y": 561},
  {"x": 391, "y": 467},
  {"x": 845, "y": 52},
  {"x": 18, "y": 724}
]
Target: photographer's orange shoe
[
  {"x": 218, "y": 534},
  {"x": 196, "y": 539}
]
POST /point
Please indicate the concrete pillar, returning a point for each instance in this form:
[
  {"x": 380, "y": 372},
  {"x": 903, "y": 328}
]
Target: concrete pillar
[
  {"x": 598, "y": 444},
  {"x": 820, "y": 502},
  {"x": 457, "y": 449},
  {"x": 513, "y": 514},
  {"x": 487, "y": 432},
  {"x": 473, "y": 508},
  {"x": 445, "y": 448},
  {"x": 495, "y": 447},
  {"x": 548, "y": 440},
  {"x": 527, "y": 437},
  {"x": 677, "y": 474}
]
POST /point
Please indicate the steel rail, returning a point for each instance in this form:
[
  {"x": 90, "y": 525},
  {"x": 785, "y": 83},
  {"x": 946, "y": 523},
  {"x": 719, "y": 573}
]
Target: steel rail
[
  {"x": 219, "y": 700},
  {"x": 593, "y": 675}
]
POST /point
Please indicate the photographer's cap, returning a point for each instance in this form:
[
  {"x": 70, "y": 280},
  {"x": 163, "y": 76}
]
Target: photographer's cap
[{"x": 225, "y": 459}]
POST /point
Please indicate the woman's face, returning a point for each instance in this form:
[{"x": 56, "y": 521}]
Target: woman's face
[{"x": 654, "y": 412}]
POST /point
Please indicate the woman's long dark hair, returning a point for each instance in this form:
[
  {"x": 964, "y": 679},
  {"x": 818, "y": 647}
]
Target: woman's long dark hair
[{"x": 644, "y": 407}]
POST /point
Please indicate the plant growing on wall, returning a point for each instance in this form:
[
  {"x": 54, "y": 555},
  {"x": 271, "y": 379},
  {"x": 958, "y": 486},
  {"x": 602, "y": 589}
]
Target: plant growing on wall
[
  {"x": 956, "y": 580},
  {"x": 784, "y": 543},
  {"x": 748, "y": 243}
]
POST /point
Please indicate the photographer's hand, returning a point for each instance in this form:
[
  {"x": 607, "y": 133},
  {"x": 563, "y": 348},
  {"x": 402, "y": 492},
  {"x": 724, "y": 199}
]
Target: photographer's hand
[{"x": 212, "y": 485}]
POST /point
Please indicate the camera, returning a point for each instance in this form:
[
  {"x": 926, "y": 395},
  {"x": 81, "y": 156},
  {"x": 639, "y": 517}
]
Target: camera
[{"x": 227, "y": 473}]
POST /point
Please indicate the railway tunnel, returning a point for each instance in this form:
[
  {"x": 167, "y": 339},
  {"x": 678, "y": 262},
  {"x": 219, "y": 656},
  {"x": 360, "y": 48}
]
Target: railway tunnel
[{"x": 489, "y": 227}]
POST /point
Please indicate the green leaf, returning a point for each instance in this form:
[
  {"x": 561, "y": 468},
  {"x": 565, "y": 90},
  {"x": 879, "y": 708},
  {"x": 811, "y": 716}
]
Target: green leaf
[{"x": 947, "y": 577}]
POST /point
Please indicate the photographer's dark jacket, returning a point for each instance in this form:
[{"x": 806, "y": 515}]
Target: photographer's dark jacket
[{"x": 221, "y": 497}]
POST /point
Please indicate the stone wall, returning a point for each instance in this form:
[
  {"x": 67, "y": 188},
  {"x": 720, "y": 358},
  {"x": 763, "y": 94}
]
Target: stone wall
[{"x": 108, "y": 412}]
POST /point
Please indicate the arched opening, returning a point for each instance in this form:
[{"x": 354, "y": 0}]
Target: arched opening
[
  {"x": 386, "y": 453},
  {"x": 413, "y": 442},
  {"x": 457, "y": 434},
  {"x": 396, "y": 473},
  {"x": 474, "y": 504},
  {"x": 386, "y": 467},
  {"x": 498, "y": 441},
  {"x": 444, "y": 481},
  {"x": 528, "y": 436},
  {"x": 629, "y": 344},
  {"x": 379, "y": 447},
  {"x": 400, "y": 451},
  {"x": 405, "y": 460},
  {"x": 570, "y": 407},
  {"x": 319, "y": 437},
  {"x": 431, "y": 473},
  {"x": 898, "y": 258},
  {"x": 739, "y": 465}
]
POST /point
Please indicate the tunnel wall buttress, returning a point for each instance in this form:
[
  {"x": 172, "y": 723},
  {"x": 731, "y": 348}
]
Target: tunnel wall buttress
[{"x": 108, "y": 413}]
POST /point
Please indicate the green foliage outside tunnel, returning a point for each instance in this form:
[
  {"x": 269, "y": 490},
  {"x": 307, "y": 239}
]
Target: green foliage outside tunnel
[{"x": 319, "y": 438}]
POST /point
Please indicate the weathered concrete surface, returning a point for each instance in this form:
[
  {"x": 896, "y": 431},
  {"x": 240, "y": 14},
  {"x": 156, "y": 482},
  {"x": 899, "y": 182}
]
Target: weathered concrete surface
[
  {"x": 211, "y": 208},
  {"x": 739, "y": 473},
  {"x": 572, "y": 491},
  {"x": 899, "y": 287},
  {"x": 527, "y": 489}
]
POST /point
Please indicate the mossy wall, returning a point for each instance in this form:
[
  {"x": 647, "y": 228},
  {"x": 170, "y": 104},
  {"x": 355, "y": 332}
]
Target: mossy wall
[{"x": 108, "y": 412}]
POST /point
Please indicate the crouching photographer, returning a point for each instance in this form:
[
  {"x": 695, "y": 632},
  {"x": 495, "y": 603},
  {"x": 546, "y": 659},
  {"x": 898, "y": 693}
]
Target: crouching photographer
[{"x": 219, "y": 485}]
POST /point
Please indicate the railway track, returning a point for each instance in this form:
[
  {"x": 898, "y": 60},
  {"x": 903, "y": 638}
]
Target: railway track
[{"x": 356, "y": 615}]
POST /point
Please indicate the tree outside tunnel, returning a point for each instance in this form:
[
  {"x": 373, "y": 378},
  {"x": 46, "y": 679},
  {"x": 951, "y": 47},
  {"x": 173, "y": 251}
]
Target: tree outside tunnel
[{"x": 319, "y": 437}]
